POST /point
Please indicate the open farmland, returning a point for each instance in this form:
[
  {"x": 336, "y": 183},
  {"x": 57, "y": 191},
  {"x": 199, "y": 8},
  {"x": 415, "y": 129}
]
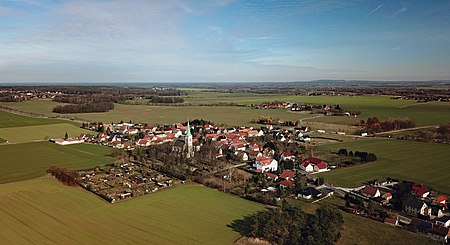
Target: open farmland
[
  {"x": 380, "y": 106},
  {"x": 31, "y": 160},
  {"x": 422, "y": 162},
  {"x": 231, "y": 115},
  {"x": 41, "y": 132},
  {"x": 46, "y": 211},
  {"x": 8, "y": 120}
]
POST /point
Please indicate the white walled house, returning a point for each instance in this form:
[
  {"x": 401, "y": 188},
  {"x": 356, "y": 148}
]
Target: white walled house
[
  {"x": 266, "y": 164},
  {"x": 67, "y": 141}
]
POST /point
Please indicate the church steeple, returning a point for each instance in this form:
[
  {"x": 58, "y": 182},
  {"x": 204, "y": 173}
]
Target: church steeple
[
  {"x": 188, "y": 131},
  {"x": 190, "y": 147}
]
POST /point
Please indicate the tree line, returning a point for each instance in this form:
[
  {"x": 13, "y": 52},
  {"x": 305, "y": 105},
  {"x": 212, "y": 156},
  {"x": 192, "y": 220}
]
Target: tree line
[
  {"x": 362, "y": 155},
  {"x": 84, "y": 108},
  {"x": 374, "y": 125},
  {"x": 167, "y": 100},
  {"x": 290, "y": 225},
  {"x": 64, "y": 175}
]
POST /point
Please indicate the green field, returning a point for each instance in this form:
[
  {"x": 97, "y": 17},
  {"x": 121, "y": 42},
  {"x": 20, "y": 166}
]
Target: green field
[
  {"x": 8, "y": 120},
  {"x": 41, "y": 132},
  {"x": 166, "y": 114},
  {"x": 422, "y": 162},
  {"x": 46, "y": 212},
  {"x": 31, "y": 160},
  {"x": 380, "y": 106}
]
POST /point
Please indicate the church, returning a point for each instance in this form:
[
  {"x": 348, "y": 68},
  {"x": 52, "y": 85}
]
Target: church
[{"x": 185, "y": 145}]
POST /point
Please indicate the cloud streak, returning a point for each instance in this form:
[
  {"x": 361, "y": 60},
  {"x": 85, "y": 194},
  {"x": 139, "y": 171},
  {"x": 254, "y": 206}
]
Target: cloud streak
[{"x": 375, "y": 9}]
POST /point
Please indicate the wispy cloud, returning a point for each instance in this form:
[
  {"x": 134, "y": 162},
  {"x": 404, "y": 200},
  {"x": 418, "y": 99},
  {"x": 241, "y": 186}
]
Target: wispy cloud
[
  {"x": 375, "y": 9},
  {"x": 216, "y": 29},
  {"x": 398, "y": 12}
]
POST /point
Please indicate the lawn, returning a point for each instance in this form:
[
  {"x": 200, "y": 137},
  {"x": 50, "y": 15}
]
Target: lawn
[
  {"x": 8, "y": 120},
  {"x": 422, "y": 162},
  {"x": 31, "y": 160},
  {"x": 40, "y": 132},
  {"x": 46, "y": 212}
]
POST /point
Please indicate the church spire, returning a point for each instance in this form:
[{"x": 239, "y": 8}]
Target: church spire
[
  {"x": 190, "y": 147},
  {"x": 188, "y": 131}
]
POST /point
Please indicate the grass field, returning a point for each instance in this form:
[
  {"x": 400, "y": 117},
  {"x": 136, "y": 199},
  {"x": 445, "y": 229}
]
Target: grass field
[
  {"x": 165, "y": 114},
  {"x": 380, "y": 106},
  {"x": 44, "y": 211},
  {"x": 8, "y": 120},
  {"x": 423, "y": 162},
  {"x": 41, "y": 132},
  {"x": 31, "y": 160}
]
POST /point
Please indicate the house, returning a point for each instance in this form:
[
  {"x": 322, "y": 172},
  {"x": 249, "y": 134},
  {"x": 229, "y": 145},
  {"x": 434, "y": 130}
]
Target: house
[
  {"x": 286, "y": 183},
  {"x": 143, "y": 142},
  {"x": 309, "y": 192},
  {"x": 313, "y": 164},
  {"x": 327, "y": 192},
  {"x": 271, "y": 176},
  {"x": 387, "y": 197},
  {"x": 420, "y": 190},
  {"x": 67, "y": 141},
  {"x": 287, "y": 175},
  {"x": 321, "y": 167},
  {"x": 287, "y": 156},
  {"x": 436, "y": 210},
  {"x": 241, "y": 156},
  {"x": 254, "y": 154},
  {"x": 266, "y": 164},
  {"x": 417, "y": 207},
  {"x": 439, "y": 233},
  {"x": 371, "y": 191},
  {"x": 441, "y": 199},
  {"x": 391, "y": 221},
  {"x": 443, "y": 221},
  {"x": 307, "y": 166}
]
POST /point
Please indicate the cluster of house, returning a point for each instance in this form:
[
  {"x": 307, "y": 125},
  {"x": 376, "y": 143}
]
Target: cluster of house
[
  {"x": 29, "y": 94},
  {"x": 116, "y": 182},
  {"x": 422, "y": 212},
  {"x": 287, "y": 178}
]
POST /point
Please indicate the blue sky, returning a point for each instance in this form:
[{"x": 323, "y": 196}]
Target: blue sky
[{"x": 223, "y": 40}]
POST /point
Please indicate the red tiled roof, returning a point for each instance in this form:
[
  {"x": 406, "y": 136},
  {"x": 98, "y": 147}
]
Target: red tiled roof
[
  {"x": 264, "y": 160},
  {"x": 389, "y": 220},
  {"x": 287, "y": 174},
  {"x": 322, "y": 165},
  {"x": 441, "y": 199},
  {"x": 313, "y": 160},
  {"x": 270, "y": 175},
  {"x": 287, "y": 154},
  {"x": 142, "y": 142},
  {"x": 287, "y": 183},
  {"x": 370, "y": 190}
]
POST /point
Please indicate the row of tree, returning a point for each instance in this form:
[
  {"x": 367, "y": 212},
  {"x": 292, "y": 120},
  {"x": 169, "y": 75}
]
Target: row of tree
[
  {"x": 167, "y": 100},
  {"x": 85, "y": 99},
  {"x": 290, "y": 225},
  {"x": 84, "y": 108},
  {"x": 374, "y": 125},
  {"x": 362, "y": 155},
  {"x": 66, "y": 176}
]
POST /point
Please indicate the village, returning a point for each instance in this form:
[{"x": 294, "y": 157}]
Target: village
[{"x": 263, "y": 164}]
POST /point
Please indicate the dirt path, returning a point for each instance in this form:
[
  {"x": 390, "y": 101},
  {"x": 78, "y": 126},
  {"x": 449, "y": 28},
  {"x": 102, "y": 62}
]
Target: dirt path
[{"x": 406, "y": 129}]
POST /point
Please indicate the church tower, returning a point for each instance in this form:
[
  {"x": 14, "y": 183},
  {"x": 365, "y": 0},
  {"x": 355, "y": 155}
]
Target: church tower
[{"x": 190, "y": 147}]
